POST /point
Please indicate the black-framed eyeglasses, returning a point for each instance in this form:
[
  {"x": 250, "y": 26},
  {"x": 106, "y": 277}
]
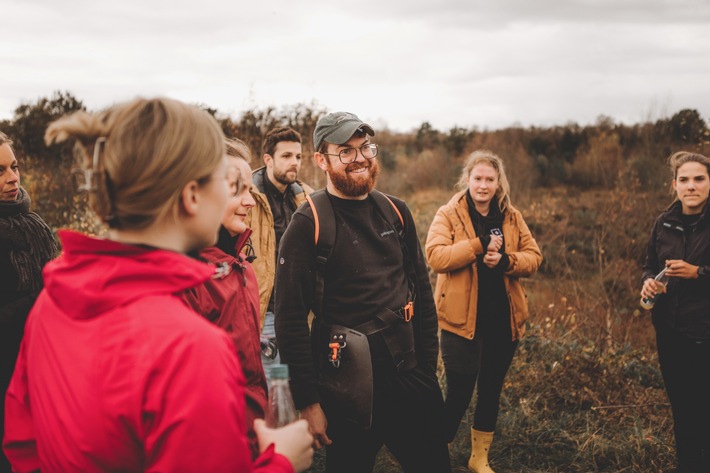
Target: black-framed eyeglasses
[{"x": 349, "y": 155}]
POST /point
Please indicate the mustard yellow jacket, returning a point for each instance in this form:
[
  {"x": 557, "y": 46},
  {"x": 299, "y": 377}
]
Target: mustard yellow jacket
[
  {"x": 263, "y": 237},
  {"x": 451, "y": 249}
]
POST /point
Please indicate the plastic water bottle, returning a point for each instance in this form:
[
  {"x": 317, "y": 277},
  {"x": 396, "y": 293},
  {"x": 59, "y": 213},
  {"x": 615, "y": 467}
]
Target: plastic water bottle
[
  {"x": 280, "y": 410},
  {"x": 648, "y": 302}
]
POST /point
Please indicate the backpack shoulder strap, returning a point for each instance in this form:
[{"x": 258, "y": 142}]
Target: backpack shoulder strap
[
  {"x": 391, "y": 214},
  {"x": 389, "y": 210},
  {"x": 324, "y": 237}
]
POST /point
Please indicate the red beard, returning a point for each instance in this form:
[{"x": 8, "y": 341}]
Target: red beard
[{"x": 344, "y": 183}]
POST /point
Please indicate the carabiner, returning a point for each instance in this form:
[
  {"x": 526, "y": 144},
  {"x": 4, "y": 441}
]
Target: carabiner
[{"x": 336, "y": 345}]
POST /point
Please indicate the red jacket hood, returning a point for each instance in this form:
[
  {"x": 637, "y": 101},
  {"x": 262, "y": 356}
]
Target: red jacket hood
[{"x": 93, "y": 275}]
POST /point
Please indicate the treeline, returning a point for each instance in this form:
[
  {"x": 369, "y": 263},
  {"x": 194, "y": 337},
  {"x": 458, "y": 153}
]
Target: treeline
[
  {"x": 584, "y": 393},
  {"x": 585, "y": 157}
]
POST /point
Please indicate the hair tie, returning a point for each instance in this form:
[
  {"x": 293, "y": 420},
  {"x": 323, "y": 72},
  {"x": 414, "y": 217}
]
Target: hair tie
[{"x": 89, "y": 185}]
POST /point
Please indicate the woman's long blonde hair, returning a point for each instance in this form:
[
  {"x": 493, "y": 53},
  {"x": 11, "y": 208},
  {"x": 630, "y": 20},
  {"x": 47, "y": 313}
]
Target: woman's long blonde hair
[
  {"x": 138, "y": 156},
  {"x": 238, "y": 149},
  {"x": 484, "y": 156}
]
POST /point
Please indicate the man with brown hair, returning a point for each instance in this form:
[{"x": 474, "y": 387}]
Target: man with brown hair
[{"x": 278, "y": 193}]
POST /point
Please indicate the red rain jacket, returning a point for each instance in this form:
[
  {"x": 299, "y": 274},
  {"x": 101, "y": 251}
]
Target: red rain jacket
[
  {"x": 231, "y": 301},
  {"x": 116, "y": 373}
]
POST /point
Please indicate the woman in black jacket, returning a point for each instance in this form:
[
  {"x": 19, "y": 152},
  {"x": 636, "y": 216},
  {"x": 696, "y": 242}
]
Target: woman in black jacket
[
  {"x": 680, "y": 242},
  {"x": 26, "y": 244}
]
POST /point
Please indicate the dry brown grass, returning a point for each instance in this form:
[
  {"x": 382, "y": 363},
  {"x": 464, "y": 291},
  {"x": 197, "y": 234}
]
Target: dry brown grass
[{"x": 584, "y": 393}]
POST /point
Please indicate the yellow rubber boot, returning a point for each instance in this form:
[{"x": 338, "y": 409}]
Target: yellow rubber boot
[{"x": 480, "y": 443}]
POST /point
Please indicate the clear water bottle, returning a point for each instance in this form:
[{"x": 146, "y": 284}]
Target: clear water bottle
[
  {"x": 648, "y": 302},
  {"x": 280, "y": 410}
]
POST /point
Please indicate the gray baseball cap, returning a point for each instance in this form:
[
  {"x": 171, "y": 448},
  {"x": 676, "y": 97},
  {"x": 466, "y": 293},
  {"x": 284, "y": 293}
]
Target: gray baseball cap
[{"x": 338, "y": 128}]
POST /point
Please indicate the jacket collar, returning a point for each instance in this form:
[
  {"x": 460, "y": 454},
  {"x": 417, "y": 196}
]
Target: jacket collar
[
  {"x": 230, "y": 247},
  {"x": 457, "y": 205},
  {"x": 674, "y": 214},
  {"x": 258, "y": 177},
  {"x": 95, "y": 275}
]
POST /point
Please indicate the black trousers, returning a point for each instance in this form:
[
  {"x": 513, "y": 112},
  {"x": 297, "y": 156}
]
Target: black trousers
[
  {"x": 685, "y": 365},
  {"x": 407, "y": 409},
  {"x": 484, "y": 361}
]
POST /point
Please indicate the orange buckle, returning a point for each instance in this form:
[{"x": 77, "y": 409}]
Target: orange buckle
[
  {"x": 336, "y": 346},
  {"x": 408, "y": 311}
]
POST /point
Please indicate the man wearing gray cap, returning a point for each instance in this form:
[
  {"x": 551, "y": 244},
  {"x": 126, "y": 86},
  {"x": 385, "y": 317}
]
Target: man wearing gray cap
[{"x": 365, "y": 374}]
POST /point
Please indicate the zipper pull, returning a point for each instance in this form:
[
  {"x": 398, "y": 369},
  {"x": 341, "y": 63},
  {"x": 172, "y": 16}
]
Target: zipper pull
[{"x": 221, "y": 270}]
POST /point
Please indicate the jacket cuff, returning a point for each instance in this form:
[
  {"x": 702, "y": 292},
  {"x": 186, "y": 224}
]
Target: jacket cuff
[
  {"x": 304, "y": 398},
  {"x": 485, "y": 241},
  {"x": 275, "y": 461},
  {"x": 504, "y": 262}
]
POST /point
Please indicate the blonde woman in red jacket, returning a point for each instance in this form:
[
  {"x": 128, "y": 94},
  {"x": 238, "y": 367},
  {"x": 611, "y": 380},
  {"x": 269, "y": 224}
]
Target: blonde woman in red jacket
[
  {"x": 230, "y": 299},
  {"x": 480, "y": 247},
  {"x": 115, "y": 372}
]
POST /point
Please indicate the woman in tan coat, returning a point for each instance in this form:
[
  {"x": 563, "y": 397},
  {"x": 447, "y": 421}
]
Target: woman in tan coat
[{"x": 480, "y": 247}]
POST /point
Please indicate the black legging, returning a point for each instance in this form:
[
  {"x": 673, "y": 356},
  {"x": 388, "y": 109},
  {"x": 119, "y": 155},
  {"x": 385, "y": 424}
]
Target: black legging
[
  {"x": 484, "y": 360},
  {"x": 684, "y": 364}
]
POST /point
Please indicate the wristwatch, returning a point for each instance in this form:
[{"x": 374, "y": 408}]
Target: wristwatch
[{"x": 703, "y": 271}]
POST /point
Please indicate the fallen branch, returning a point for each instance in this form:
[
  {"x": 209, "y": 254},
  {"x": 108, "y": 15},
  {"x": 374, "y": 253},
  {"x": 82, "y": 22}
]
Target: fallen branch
[{"x": 629, "y": 406}]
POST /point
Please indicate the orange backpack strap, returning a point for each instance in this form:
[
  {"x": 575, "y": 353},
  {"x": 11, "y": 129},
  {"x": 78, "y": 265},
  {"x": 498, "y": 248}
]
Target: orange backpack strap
[
  {"x": 315, "y": 217},
  {"x": 389, "y": 211}
]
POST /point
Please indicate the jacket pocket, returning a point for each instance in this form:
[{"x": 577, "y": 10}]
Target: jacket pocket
[
  {"x": 452, "y": 298},
  {"x": 518, "y": 303}
]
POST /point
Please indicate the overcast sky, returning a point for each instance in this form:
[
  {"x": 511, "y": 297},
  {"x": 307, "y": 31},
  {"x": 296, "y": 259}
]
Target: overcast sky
[{"x": 395, "y": 63}]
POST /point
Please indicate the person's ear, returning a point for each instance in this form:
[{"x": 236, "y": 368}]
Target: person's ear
[
  {"x": 190, "y": 198},
  {"x": 321, "y": 160},
  {"x": 268, "y": 160}
]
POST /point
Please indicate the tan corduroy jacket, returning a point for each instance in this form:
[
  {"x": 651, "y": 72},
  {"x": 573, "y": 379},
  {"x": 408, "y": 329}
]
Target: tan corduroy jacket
[
  {"x": 263, "y": 236},
  {"x": 451, "y": 249}
]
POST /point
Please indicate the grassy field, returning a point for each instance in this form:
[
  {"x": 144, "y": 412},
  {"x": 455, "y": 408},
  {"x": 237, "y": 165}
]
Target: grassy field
[
  {"x": 566, "y": 409},
  {"x": 584, "y": 393}
]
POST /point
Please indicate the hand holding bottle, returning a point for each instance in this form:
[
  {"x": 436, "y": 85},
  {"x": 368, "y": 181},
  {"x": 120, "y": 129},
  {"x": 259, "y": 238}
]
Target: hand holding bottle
[
  {"x": 290, "y": 437},
  {"x": 652, "y": 287},
  {"x": 292, "y": 441}
]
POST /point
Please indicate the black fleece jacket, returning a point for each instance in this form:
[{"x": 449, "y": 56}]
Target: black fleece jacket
[{"x": 685, "y": 308}]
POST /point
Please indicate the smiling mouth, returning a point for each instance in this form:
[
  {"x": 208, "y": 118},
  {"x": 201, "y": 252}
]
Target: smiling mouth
[{"x": 359, "y": 170}]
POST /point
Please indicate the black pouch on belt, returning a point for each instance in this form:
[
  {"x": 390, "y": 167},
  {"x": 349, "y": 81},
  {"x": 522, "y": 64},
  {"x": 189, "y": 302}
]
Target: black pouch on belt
[{"x": 345, "y": 373}]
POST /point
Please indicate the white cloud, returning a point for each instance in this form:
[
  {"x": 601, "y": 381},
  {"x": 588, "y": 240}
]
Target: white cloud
[{"x": 454, "y": 62}]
